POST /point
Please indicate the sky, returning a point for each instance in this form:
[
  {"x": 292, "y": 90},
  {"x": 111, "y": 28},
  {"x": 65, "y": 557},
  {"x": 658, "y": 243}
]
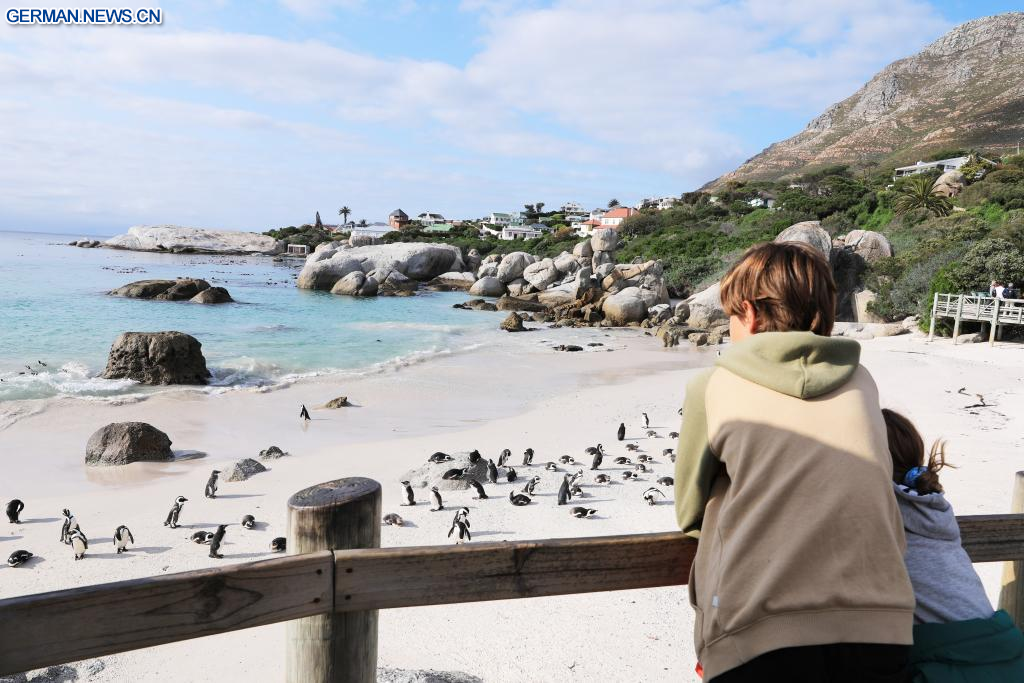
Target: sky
[{"x": 256, "y": 114}]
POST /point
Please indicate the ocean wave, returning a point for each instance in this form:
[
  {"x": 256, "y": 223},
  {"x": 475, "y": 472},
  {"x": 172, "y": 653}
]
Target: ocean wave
[
  {"x": 422, "y": 327},
  {"x": 71, "y": 379}
]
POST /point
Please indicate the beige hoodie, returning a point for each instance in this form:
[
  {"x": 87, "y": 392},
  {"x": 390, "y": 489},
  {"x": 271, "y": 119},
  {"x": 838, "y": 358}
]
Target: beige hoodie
[{"x": 783, "y": 472}]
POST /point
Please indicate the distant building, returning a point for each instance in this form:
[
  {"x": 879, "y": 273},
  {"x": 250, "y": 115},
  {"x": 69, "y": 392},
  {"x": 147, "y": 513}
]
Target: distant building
[
  {"x": 574, "y": 219},
  {"x": 657, "y": 203},
  {"x": 438, "y": 227},
  {"x": 500, "y": 219},
  {"x": 597, "y": 213},
  {"x": 298, "y": 249},
  {"x": 571, "y": 208},
  {"x": 586, "y": 228},
  {"x": 398, "y": 219},
  {"x": 374, "y": 230},
  {"x": 511, "y": 232},
  {"x": 428, "y": 218},
  {"x": 941, "y": 166},
  {"x": 763, "y": 200},
  {"x": 614, "y": 218}
]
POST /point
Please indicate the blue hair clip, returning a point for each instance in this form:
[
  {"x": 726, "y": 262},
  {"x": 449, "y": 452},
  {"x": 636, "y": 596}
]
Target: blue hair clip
[{"x": 912, "y": 474}]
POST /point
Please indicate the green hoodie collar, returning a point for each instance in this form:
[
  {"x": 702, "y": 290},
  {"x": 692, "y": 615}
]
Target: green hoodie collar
[{"x": 800, "y": 364}]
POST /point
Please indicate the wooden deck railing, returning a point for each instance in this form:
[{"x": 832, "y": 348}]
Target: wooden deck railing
[
  {"x": 330, "y": 597},
  {"x": 986, "y": 309}
]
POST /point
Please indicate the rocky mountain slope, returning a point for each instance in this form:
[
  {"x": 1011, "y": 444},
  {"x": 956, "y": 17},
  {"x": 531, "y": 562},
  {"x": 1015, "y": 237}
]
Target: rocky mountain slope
[{"x": 965, "y": 90}]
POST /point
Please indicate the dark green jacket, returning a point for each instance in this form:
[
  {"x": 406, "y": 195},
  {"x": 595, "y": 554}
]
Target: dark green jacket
[{"x": 974, "y": 651}]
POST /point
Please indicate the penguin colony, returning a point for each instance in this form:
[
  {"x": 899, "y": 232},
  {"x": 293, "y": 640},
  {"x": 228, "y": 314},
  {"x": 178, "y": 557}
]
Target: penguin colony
[
  {"x": 570, "y": 483},
  {"x": 72, "y": 534}
]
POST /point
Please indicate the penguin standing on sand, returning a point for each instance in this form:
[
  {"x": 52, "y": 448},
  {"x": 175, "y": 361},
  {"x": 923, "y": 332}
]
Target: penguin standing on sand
[
  {"x": 304, "y": 414},
  {"x": 480, "y": 493},
  {"x": 647, "y": 421},
  {"x": 563, "y": 491},
  {"x": 79, "y": 543},
  {"x": 410, "y": 497},
  {"x": 462, "y": 524},
  {"x": 438, "y": 503},
  {"x": 14, "y": 509},
  {"x": 503, "y": 458},
  {"x": 248, "y": 521},
  {"x": 598, "y": 457},
  {"x": 211, "y": 484},
  {"x": 527, "y": 457},
  {"x": 218, "y": 538},
  {"x": 70, "y": 524},
  {"x": 622, "y": 431},
  {"x": 530, "y": 485},
  {"x": 172, "y": 516},
  {"x": 510, "y": 474},
  {"x": 492, "y": 472},
  {"x": 122, "y": 536}
]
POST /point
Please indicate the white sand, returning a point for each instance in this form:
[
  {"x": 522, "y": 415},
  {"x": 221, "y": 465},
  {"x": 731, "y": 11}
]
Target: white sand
[{"x": 513, "y": 395}]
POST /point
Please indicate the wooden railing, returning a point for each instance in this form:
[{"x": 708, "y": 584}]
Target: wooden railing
[
  {"x": 987, "y": 309},
  {"x": 330, "y": 597}
]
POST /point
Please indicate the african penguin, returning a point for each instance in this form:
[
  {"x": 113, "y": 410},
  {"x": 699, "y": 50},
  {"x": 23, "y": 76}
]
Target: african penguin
[
  {"x": 492, "y": 472},
  {"x": 527, "y": 457},
  {"x": 667, "y": 481},
  {"x": 650, "y": 495},
  {"x": 18, "y": 558},
  {"x": 248, "y": 521},
  {"x": 201, "y": 537},
  {"x": 647, "y": 421},
  {"x": 567, "y": 460},
  {"x": 645, "y": 458},
  {"x": 211, "y": 485},
  {"x": 172, "y": 516},
  {"x": 462, "y": 525},
  {"x": 598, "y": 459},
  {"x": 79, "y": 543},
  {"x": 455, "y": 473},
  {"x": 551, "y": 467},
  {"x": 392, "y": 519},
  {"x": 218, "y": 538},
  {"x": 632, "y": 447},
  {"x": 563, "y": 491},
  {"x": 439, "y": 457},
  {"x": 438, "y": 503},
  {"x": 304, "y": 414},
  {"x": 278, "y": 545},
  {"x": 576, "y": 491},
  {"x": 122, "y": 537},
  {"x": 518, "y": 499},
  {"x": 480, "y": 493},
  {"x": 627, "y": 475},
  {"x": 640, "y": 467},
  {"x": 652, "y": 434},
  {"x": 503, "y": 458},
  {"x": 622, "y": 431},
  {"x": 410, "y": 497},
  {"x": 602, "y": 479},
  {"x": 474, "y": 457},
  {"x": 14, "y": 509},
  {"x": 673, "y": 435},
  {"x": 70, "y": 524},
  {"x": 462, "y": 513},
  {"x": 530, "y": 485},
  {"x": 623, "y": 460},
  {"x": 581, "y": 512},
  {"x": 510, "y": 474}
]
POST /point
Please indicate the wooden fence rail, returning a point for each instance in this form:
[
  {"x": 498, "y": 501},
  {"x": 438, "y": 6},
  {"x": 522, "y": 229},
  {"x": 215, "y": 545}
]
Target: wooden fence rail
[{"x": 63, "y": 626}]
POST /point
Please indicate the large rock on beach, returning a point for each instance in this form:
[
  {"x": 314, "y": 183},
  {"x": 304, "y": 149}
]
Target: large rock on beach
[
  {"x": 625, "y": 307},
  {"x": 566, "y": 263},
  {"x": 604, "y": 239},
  {"x": 272, "y": 453},
  {"x": 512, "y": 265},
  {"x": 415, "y": 261},
  {"x": 513, "y": 323},
  {"x": 808, "y": 232},
  {"x": 355, "y": 284},
  {"x": 122, "y": 443},
  {"x": 178, "y": 239},
  {"x": 157, "y": 358},
  {"x": 243, "y": 469},
  {"x": 542, "y": 273},
  {"x": 212, "y": 295},
  {"x": 339, "y": 402},
  {"x": 869, "y": 245},
  {"x": 511, "y": 303},
  {"x": 487, "y": 286},
  {"x": 430, "y": 473},
  {"x": 453, "y": 282},
  {"x": 583, "y": 250},
  {"x": 143, "y": 289}
]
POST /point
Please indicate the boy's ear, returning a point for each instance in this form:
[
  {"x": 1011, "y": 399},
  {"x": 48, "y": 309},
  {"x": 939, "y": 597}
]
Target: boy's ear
[{"x": 749, "y": 317}]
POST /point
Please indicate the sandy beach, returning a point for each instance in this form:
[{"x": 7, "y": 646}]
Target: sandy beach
[{"x": 507, "y": 396}]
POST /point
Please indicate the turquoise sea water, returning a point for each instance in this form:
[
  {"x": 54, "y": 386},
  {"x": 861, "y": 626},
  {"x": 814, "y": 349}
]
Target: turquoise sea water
[{"x": 54, "y": 309}]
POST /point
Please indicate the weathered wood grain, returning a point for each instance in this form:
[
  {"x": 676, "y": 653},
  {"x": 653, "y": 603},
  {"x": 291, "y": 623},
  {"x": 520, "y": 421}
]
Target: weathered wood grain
[
  {"x": 64, "y": 626},
  {"x": 434, "y": 575},
  {"x": 1011, "y": 596},
  {"x": 992, "y": 538}
]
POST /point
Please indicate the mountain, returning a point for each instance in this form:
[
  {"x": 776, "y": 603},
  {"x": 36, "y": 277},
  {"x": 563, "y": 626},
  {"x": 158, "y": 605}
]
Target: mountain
[{"x": 964, "y": 91}]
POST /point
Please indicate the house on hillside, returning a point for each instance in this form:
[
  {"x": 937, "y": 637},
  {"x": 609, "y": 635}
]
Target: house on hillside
[
  {"x": 375, "y": 230},
  {"x": 398, "y": 219},
  {"x": 613, "y": 219},
  {"x": 596, "y": 214},
  {"x": 512, "y": 232},
  {"x": 571, "y": 208},
  {"x": 499, "y": 219},
  {"x": 942, "y": 165},
  {"x": 428, "y": 218},
  {"x": 656, "y": 203},
  {"x": 586, "y": 228},
  {"x": 762, "y": 200}
]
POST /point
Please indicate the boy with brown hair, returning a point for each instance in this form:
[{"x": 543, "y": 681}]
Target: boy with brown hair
[{"x": 783, "y": 474}]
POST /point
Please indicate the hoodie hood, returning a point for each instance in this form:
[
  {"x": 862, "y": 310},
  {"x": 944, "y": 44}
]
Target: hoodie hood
[
  {"x": 928, "y": 515},
  {"x": 800, "y": 364}
]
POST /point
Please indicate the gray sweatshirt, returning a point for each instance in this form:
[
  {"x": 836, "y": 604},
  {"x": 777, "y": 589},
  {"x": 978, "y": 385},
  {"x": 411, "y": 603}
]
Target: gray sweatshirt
[{"x": 946, "y": 586}]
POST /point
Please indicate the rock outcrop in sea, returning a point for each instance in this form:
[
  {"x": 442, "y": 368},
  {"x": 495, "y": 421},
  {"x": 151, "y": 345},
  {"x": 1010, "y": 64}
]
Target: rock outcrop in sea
[
  {"x": 157, "y": 358},
  {"x": 183, "y": 289},
  {"x": 122, "y": 443},
  {"x": 180, "y": 240},
  {"x": 395, "y": 268}
]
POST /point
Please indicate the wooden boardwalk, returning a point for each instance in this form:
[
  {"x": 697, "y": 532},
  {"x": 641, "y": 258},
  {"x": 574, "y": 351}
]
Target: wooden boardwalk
[{"x": 986, "y": 309}]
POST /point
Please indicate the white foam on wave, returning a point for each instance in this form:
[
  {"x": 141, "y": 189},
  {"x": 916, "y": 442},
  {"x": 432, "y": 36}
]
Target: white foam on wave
[
  {"x": 422, "y": 327},
  {"x": 71, "y": 379}
]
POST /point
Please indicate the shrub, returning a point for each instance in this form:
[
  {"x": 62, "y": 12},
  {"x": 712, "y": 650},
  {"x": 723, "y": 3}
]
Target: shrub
[{"x": 987, "y": 260}]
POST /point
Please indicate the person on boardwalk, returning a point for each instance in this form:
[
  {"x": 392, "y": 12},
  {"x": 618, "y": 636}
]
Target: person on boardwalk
[
  {"x": 304, "y": 414},
  {"x": 958, "y": 637},
  {"x": 783, "y": 475}
]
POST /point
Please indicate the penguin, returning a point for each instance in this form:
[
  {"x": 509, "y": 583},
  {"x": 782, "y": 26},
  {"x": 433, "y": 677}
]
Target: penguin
[
  {"x": 527, "y": 457},
  {"x": 581, "y": 512},
  {"x": 627, "y": 475},
  {"x": 503, "y": 458},
  {"x": 211, "y": 485},
  {"x": 518, "y": 499},
  {"x": 410, "y": 497},
  {"x": 248, "y": 521},
  {"x": 649, "y": 495},
  {"x": 510, "y": 474},
  {"x": 492, "y": 472},
  {"x": 647, "y": 421},
  {"x": 667, "y": 452},
  {"x": 667, "y": 481},
  {"x": 640, "y": 467},
  {"x": 79, "y": 543},
  {"x": 462, "y": 513},
  {"x": 172, "y": 516},
  {"x": 645, "y": 458},
  {"x": 218, "y": 538},
  {"x": 551, "y": 467},
  {"x": 201, "y": 537},
  {"x": 673, "y": 435},
  {"x": 651, "y": 434},
  {"x": 598, "y": 458},
  {"x": 602, "y": 479},
  {"x": 14, "y": 509},
  {"x": 278, "y": 545},
  {"x": 122, "y": 536},
  {"x": 567, "y": 460},
  {"x": 462, "y": 524},
  {"x": 455, "y": 473},
  {"x": 304, "y": 414},
  {"x": 530, "y": 485},
  {"x": 70, "y": 524},
  {"x": 622, "y": 431},
  {"x": 439, "y": 457},
  {"x": 594, "y": 450},
  {"x": 575, "y": 491},
  {"x": 623, "y": 460},
  {"x": 474, "y": 457},
  {"x": 391, "y": 519},
  {"x": 18, "y": 558},
  {"x": 672, "y": 457},
  {"x": 438, "y": 503},
  {"x": 563, "y": 491},
  {"x": 632, "y": 447},
  {"x": 576, "y": 477},
  {"x": 480, "y": 493}
]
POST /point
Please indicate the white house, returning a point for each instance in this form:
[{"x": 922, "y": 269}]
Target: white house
[
  {"x": 941, "y": 165},
  {"x": 500, "y": 219},
  {"x": 763, "y": 200},
  {"x": 586, "y": 228},
  {"x": 657, "y": 203},
  {"x": 596, "y": 214},
  {"x": 571, "y": 208},
  {"x": 428, "y": 218},
  {"x": 510, "y": 232},
  {"x": 614, "y": 218},
  {"x": 374, "y": 230}
]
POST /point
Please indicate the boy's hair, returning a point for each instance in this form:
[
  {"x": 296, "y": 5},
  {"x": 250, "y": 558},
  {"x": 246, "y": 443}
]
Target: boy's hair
[
  {"x": 907, "y": 450},
  {"x": 789, "y": 285}
]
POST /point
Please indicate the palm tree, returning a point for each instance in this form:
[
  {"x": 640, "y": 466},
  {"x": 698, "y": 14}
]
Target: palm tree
[
  {"x": 344, "y": 212},
  {"x": 612, "y": 203},
  {"x": 540, "y": 207},
  {"x": 919, "y": 193}
]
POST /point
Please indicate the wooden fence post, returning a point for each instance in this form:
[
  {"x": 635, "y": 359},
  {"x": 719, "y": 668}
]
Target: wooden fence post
[
  {"x": 338, "y": 515},
  {"x": 956, "y": 320},
  {"x": 931, "y": 325},
  {"x": 1011, "y": 597}
]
